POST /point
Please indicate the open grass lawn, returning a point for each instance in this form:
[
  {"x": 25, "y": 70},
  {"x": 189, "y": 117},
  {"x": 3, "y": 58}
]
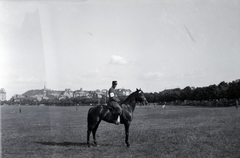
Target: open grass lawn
[{"x": 176, "y": 131}]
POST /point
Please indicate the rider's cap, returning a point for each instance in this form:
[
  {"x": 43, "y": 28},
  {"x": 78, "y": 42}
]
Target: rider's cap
[{"x": 114, "y": 82}]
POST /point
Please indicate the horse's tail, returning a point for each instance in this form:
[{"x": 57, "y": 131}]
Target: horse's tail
[{"x": 89, "y": 115}]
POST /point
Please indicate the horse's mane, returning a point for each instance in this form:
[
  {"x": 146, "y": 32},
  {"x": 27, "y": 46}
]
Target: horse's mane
[{"x": 130, "y": 96}]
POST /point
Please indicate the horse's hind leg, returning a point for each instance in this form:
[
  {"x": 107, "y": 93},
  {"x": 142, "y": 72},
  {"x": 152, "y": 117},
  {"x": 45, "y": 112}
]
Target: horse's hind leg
[
  {"x": 94, "y": 132},
  {"x": 92, "y": 127},
  {"x": 88, "y": 137}
]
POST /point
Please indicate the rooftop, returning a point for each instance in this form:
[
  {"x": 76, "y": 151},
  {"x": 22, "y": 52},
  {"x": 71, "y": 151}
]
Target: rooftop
[{"x": 2, "y": 90}]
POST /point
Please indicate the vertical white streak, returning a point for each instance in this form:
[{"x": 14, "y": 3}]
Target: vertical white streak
[{"x": 49, "y": 46}]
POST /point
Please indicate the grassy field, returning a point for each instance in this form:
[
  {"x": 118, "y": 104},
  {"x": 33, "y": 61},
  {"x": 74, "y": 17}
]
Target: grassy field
[{"x": 176, "y": 131}]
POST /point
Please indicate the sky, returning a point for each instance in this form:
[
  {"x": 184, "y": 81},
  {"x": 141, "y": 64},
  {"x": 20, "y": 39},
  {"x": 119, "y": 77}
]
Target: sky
[{"x": 152, "y": 45}]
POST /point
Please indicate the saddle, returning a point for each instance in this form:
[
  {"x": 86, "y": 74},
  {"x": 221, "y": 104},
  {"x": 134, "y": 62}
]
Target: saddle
[{"x": 112, "y": 110}]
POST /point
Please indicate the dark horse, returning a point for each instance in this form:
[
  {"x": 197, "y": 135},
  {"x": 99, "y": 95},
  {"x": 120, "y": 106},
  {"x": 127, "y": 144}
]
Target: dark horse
[{"x": 101, "y": 112}]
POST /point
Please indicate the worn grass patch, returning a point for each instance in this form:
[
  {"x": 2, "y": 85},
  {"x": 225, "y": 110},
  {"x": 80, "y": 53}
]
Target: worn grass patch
[{"x": 155, "y": 132}]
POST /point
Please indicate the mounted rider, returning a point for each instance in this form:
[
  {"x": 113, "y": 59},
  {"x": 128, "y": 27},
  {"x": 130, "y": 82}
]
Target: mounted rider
[{"x": 113, "y": 102}]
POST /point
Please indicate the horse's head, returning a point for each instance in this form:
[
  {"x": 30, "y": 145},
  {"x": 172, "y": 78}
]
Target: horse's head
[{"x": 140, "y": 97}]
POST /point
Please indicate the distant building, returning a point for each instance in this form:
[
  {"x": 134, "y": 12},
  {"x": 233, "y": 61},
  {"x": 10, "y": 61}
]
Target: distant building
[
  {"x": 2, "y": 94},
  {"x": 68, "y": 93},
  {"x": 100, "y": 93},
  {"x": 55, "y": 94},
  {"x": 39, "y": 97},
  {"x": 127, "y": 92},
  {"x": 18, "y": 97},
  {"x": 45, "y": 91},
  {"x": 82, "y": 93},
  {"x": 104, "y": 91},
  {"x": 42, "y": 95},
  {"x": 123, "y": 92},
  {"x": 46, "y": 94}
]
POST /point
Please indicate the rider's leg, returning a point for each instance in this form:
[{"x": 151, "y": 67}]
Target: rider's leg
[{"x": 119, "y": 111}]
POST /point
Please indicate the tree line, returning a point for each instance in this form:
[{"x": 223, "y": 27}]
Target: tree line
[{"x": 223, "y": 94}]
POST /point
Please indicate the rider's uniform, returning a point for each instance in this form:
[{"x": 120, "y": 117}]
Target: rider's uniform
[{"x": 113, "y": 101}]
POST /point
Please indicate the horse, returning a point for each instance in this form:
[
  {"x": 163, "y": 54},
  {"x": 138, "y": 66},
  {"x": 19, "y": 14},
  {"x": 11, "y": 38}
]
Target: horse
[{"x": 102, "y": 112}]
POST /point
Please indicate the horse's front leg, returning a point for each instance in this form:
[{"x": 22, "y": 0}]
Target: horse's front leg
[{"x": 127, "y": 133}]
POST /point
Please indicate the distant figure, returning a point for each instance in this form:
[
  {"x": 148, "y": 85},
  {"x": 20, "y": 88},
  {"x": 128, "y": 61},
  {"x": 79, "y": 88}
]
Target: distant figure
[
  {"x": 236, "y": 104},
  {"x": 164, "y": 105},
  {"x": 20, "y": 110},
  {"x": 114, "y": 102}
]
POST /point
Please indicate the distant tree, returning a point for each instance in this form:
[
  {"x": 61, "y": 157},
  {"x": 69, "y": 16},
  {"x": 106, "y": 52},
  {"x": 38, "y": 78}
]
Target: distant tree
[
  {"x": 186, "y": 93},
  {"x": 222, "y": 90},
  {"x": 233, "y": 90},
  {"x": 212, "y": 91},
  {"x": 149, "y": 97}
]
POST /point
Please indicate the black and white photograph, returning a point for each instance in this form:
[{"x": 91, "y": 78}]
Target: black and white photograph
[{"x": 119, "y": 78}]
